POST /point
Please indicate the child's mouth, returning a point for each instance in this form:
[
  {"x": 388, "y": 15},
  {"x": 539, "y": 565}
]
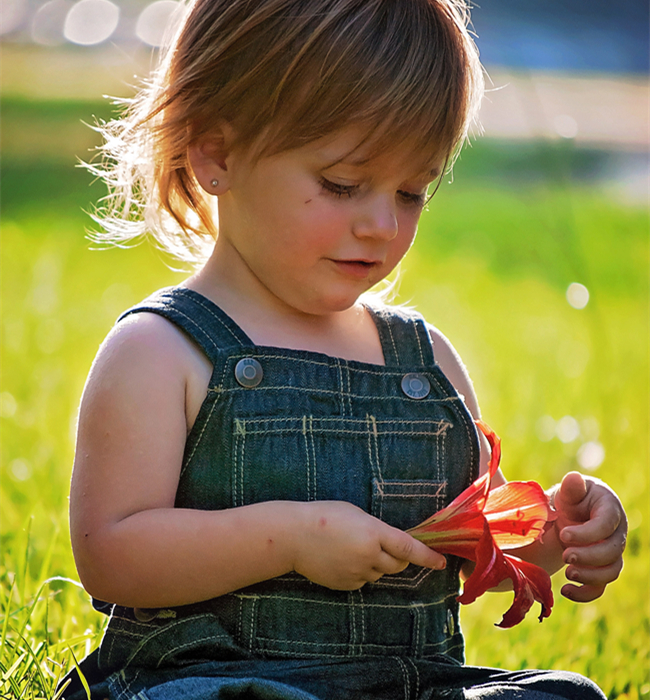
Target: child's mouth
[{"x": 356, "y": 268}]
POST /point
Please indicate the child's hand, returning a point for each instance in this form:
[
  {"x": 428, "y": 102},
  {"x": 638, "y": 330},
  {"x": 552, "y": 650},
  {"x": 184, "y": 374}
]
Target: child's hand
[
  {"x": 592, "y": 527},
  {"x": 343, "y": 547}
]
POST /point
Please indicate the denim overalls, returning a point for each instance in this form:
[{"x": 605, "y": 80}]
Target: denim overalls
[{"x": 278, "y": 424}]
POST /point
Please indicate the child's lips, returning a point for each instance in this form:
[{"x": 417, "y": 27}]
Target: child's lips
[{"x": 358, "y": 269}]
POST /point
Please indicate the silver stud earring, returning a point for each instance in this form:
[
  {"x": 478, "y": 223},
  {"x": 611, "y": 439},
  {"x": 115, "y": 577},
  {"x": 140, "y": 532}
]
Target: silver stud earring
[{"x": 214, "y": 183}]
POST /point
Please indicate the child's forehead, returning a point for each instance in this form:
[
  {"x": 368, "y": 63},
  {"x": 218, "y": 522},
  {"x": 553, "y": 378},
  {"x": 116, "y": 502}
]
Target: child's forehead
[{"x": 354, "y": 148}]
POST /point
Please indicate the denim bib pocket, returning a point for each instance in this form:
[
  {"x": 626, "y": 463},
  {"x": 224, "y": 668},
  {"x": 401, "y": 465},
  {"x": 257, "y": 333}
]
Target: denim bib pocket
[{"x": 389, "y": 468}]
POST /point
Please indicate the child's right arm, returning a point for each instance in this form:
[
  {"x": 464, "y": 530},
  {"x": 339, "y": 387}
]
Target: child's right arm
[{"x": 132, "y": 547}]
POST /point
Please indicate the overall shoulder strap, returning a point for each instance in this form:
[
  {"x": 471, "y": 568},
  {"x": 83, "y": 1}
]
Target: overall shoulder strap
[
  {"x": 210, "y": 327},
  {"x": 404, "y": 336}
]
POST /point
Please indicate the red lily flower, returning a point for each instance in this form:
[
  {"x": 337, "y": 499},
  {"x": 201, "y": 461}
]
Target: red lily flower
[{"x": 479, "y": 523}]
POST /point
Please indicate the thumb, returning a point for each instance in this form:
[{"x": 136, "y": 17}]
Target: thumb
[
  {"x": 571, "y": 501},
  {"x": 573, "y": 489}
]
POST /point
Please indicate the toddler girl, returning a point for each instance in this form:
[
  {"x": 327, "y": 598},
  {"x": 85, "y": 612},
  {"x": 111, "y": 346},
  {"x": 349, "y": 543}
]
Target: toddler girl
[{"x": 253, "y": 443}]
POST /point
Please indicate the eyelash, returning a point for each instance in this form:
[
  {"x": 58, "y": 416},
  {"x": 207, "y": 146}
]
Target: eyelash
[{"x": 339, "y": 191}]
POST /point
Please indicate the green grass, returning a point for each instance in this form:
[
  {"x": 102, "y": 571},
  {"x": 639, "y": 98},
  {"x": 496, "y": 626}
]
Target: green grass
[{"x": 495, "y": 254}]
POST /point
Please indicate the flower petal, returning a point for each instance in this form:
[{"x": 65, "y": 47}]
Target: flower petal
[
  {"x": 495, "y": 446},
  {"x": 530, "y": 582},
  {"x": 471, "y": 501},
  {"x": 517, "y": 513}
]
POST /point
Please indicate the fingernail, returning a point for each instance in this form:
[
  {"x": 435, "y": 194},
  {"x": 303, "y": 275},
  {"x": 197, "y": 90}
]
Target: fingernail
[
  {"x": 442, "y": 565},
  {"x": 572, "y": 559}
]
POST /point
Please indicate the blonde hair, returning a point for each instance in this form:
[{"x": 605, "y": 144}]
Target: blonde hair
[{"x": 283, "y": 73}]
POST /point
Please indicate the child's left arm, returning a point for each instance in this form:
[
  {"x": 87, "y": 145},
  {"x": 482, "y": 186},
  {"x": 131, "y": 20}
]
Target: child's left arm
[{"x": 590, "y": 531}]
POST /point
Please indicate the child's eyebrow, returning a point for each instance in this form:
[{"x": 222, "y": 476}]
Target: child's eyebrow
[{"x": 361, "y": 161}]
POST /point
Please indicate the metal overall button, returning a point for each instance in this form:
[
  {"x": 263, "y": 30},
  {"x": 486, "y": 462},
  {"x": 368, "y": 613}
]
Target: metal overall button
[
  {"x": 415, "y": 386},
  {"x": 248, "y": 372}
]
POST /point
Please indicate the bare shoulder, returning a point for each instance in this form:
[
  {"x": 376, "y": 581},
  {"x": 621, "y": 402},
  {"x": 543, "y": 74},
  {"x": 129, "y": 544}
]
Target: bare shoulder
[
  {"x": 133, "y": 421},
  {"x": 452, "y": 365},
  {"x": 147, "y": 352},
  {"x": 143, "y": 337}
]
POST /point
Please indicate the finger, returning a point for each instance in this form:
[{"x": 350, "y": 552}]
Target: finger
[
  {"x": 388, "y": 564},
  {"x": 597, "y": 576},
  {"x": 403, "y": 547},
  {"x": 602, "y": 553},
  {"x": 582, "y": 594},
  {"x": 605, "y": 520}
]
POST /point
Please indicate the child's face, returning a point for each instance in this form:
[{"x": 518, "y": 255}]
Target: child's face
[{"x": 313, "y": 228}]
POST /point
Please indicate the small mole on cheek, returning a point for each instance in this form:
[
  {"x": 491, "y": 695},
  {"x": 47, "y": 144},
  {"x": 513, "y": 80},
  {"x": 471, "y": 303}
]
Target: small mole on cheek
[
  {"x": 322, "y": 522},
  {"x": 270, "y": 542}
]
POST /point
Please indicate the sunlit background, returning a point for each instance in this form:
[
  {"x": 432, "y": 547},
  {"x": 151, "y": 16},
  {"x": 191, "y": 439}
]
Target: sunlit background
[{"x": 534, "y": 261}]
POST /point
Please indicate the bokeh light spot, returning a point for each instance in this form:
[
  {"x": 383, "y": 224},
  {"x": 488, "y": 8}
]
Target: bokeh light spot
[
  {"x": 577, "y": 295},
  {"x": 591, "y": 455},
  {"x": 565, "y": 126},
  {"x": 12, "y": 15},
  {"x": 21, "y": 469},
  {"x": 90, "y": 22},
  {"x": 47, "y": 24},
  {"x": 156, "y": 22},
  {"x": 567, "y": 429},
  {"x": 8, "y": 405},
  {"x": 545, "y": 428}
]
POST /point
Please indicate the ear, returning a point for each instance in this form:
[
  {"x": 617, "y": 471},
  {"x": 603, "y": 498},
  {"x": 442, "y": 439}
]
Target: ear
[{"x": 209, "y": 158}]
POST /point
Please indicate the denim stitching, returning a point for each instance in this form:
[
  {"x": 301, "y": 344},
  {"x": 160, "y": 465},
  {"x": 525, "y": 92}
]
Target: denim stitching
[
  {"x": 349, "y": 387},
  {"x": 126, "y": 687},
  {"x": 187, "y": 462},
  {"x": 402, "y": 580},
  {"x": 417, "y": 676},
  {"x": 353, "y": 623},
  {"x": 251, "y": 635},
  {"x": 310, "y": 453},
  {"x": 362, "y": 610},
  {"x": 154, "y": 307},
  {"x": 398, "y": 360},
  {"x": 161, "y": 630},
  {"x": 342, "y": 431},
  {"x": 307, "y": 457},
  {"x": 212, "y": 313},
  {"x": 117, "y": 685},
  {"x": 417, "y": 619},
  {"x": 373, "y": 448},
  {"x": 193, "y": 643},
  {"x": 414, "y": 325},
  {"x": 439, "y": 454},
  {"x": 340, "y": 650},
  {"x": 392, "y": 482},
  {"x": 314, "y": 391},
  {"x": 404, "y": 670},
  {"x": 319, "y": 601},
  {"x": 238, "y": 463},
  {"x": 442, "y": 425}
]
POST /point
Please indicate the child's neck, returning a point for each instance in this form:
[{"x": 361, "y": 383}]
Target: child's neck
[{"x": 350, "y": 334}]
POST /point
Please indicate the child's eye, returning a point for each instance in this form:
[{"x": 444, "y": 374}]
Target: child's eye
[
  {"x": 416, "y": 198},
  {"x": 336, "y": 189}
]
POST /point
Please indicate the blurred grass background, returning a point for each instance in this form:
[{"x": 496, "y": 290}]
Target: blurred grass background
[{"x": 496, "y": 252}]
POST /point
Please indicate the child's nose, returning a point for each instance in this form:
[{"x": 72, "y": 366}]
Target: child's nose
[{"x": 377, "y": 219}]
